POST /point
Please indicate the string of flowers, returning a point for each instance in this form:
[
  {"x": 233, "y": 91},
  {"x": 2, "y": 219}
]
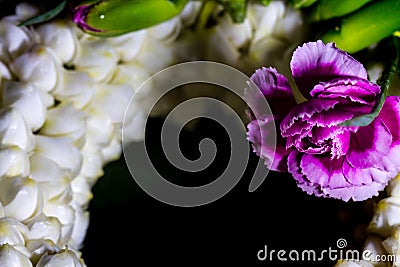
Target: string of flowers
[{"x": 59, "y": 122}]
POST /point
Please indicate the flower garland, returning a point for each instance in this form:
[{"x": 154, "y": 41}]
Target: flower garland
[{"x": 59, "y": 122}]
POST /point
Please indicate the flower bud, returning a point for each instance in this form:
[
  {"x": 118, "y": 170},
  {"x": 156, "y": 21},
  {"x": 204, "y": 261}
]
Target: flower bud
[{"x": 116, "y": 17}]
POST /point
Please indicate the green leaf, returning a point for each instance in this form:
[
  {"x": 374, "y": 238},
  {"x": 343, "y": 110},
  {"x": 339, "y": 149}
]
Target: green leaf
[
  {"x": 364, "y": 27},
  {"x": 302, "y": 3},
  {"x": 45, "y": 16},
  {"x": 327, "y": 9},
  {"x": 384, "y": 83}
]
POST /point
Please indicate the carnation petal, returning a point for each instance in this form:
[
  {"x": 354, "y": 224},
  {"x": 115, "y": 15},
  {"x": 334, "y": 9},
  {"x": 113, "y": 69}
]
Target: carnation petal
[
  {"x": 294, "y": 168},
  {"x": 316, "y": 62},
  {"x": 275, "y": 155},
  {"x": 276, "y": 89},
  {"x": 390, "y": 115},
  {"x": 369, "y": 145},
  {"x": 292, "y": 123}
]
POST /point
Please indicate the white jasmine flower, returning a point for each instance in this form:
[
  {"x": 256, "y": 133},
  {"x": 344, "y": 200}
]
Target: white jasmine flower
[
  {"x": 92, "y": 164},
  {"x": 44, "y": 228},
  {"x": 65, "y": 120},
  {"x": 50, "y": 147},
  {"x": 10, "y": 256},
  {"x": 96, "y": 57},
  {"x": 40, "y": 247},
  {"x": 128, "y": 45},
  {"x": 14, "y": 162},
  {"x": 65, "y": 258},
  {"x": 65, "y": 214},
  {"x": 386, "y": 216},
  {"x": 51, "y": 178},
  {"x": 25, "y": 98},
  {"x": 20, "y": 197},
  {"x": 80, "y": 226},
  {"x": 14, "y": 40},
  {"x": 38, "y": 67},
  {"x": 58, "y": 37},
  {"x": 75, "y": 87},
  {"x": 392, "y": 245}
]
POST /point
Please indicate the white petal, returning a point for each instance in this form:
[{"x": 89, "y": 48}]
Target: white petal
[
  {"x": 59, "y": 37},
  {"x": 65, "y": 120},
  {"x": 189, "y": 13},
  {"x": 134, "y": 124},
  {"x": 112, "y": 151},
  {"x": 50, "y": 147},
  {"x": 27, "y": 100},
  {"x": 52, "y": 179},
  {"x": 75, "y": 86},
  {"x": 267, "y": 16},
  {"x": 38, "y": 67},
  {"x": 39, "y": 247},
  {"x": 82, "y": 191},
  {"x": 375, "y": 248},
  {"x": 20, "y": 197},
  {"x": 26, "y": 10},
  {"x": 11, "y": 257},
  {"x": 112, "y": 101},
  {"x": 386, "y": 216},
  {"x": 167, "y": 30},
  {"x": 155, "y": 55},
  {"x": 12, "y": 232},
  {"x": 4, "y": 71},
  {"x": 92, "y": 166},
  {"x": 97, "y": 58},
  {"x": 43, "y": 227},
  {"x": 238, "y": 34},
  {"x": 81, "y": 225},
  {"x": 13, "y": 40},
  {"x": 14, "y": 162},
  {"x": 393, "y": 188},
  {"x": 65, "y": 214},
  {"x": 133, "y": 75},
  {"x": 65, "y": 258},
  {"x": 128, "y": 45}
]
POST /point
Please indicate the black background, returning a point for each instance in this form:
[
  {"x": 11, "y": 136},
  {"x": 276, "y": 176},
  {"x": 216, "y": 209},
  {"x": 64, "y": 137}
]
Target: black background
[{"x": 129, "y": 226}]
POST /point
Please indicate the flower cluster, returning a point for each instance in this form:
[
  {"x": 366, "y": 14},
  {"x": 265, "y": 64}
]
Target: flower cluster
[
  {"x": 62, "y": 104},
  {"x": 63, "y": 98},
  {"x": 325, "y": 157}
]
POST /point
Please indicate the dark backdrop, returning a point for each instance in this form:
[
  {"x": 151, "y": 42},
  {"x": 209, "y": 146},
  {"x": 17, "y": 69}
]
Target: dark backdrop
[{"x": 128, "y": 226}]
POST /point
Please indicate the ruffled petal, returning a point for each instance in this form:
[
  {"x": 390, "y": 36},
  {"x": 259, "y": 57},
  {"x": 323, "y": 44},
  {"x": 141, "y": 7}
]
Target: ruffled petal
[
  {"x": 323, "y": 171},
  {"x": 291, "y": 124},
  {"x": 276, "y": 89},
  {"x": 315, "y": 62},
  {"x": 369, "y": 145},
  {"x": 358, "y": 176},
  {"x": 294, "y": 168},
  {"x": 354, "y": 87},
  {"x": 390, "y": 115},
  {"x": 264, "y": 146},
  {"x": 357, "y": 193}
]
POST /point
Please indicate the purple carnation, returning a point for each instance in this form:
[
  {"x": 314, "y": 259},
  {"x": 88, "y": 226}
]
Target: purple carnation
[{"x": 325, "y": 158}]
